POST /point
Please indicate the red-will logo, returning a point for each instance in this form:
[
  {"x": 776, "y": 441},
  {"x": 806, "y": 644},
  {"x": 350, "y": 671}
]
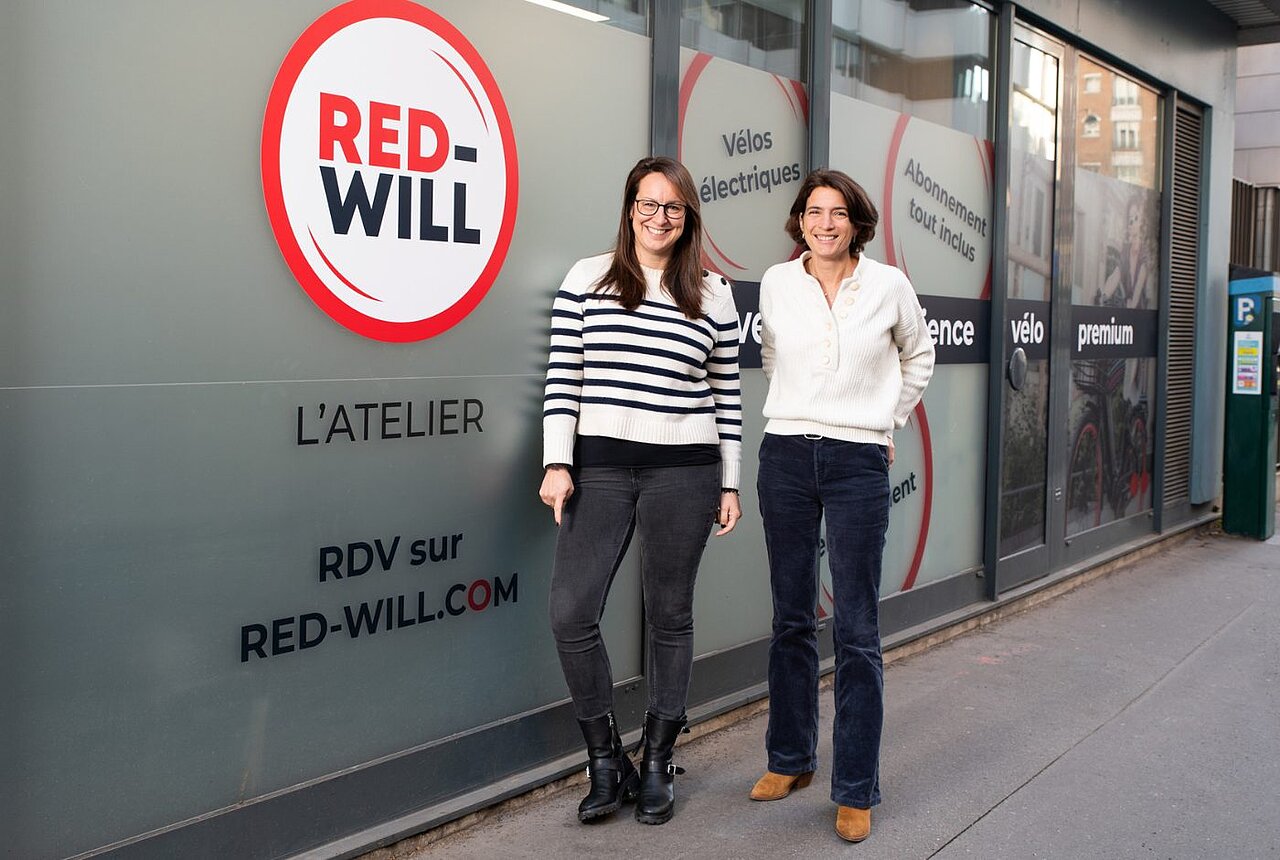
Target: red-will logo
[{"x": 389, "y": 169}]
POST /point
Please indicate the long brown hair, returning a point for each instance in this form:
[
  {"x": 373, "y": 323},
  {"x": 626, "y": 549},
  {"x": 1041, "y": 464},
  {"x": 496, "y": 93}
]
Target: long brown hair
[
  {"x": 682, "y": 278},
  {"x": 862, "y": 212}
]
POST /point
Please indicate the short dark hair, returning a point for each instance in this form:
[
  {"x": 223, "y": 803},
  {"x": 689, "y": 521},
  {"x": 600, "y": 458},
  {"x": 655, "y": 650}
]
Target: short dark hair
[{"x": 862, "y": 212}]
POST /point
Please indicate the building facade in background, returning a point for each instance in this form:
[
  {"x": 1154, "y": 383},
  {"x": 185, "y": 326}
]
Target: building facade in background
[{"x": 1255, "y": 234}]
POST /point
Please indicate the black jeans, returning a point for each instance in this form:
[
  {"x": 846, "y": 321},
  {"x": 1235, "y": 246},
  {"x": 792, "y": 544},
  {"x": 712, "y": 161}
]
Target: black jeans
[
  {"x": 800, "y": 479},
  {"x": 672, "y": 509}
]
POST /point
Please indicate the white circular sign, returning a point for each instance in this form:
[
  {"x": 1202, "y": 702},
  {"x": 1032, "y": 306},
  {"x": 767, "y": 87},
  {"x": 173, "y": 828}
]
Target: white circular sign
[{"x": 389, "y": 169}]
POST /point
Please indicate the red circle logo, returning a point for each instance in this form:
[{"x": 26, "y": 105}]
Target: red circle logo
[{"x": 389, "y": 169}]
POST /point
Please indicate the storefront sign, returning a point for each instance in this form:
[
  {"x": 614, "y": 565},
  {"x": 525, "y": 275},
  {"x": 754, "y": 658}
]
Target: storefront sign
[
  {"x": 389, "y": 169},
  {"x": 1102, "y": 332},
  {"x": 936, "y": 204},
  {"x": 305, "y": 630},
  {"x": 960, "y": 328},
  {"x": 742, "y": 136}
]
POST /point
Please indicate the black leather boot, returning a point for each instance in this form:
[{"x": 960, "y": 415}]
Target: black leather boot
[
  {"x": 657, "y": 774},
  {"x": 613, "y": 776}
]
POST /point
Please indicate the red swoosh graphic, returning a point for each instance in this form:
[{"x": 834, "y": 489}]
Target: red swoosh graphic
[
  {"x": 707, "y": 235},
  {"x": 341, "y": 277},
  {"x": 928, "y": 497},
  {"x": 470, "y": 91},
  {"x": 696, "y": 67},
  {"x": 802, "y": 97},
  {"x": 895, "y": 144},
  {"x": 786, "y": 94},
  {"x": 986, "y": 154}
]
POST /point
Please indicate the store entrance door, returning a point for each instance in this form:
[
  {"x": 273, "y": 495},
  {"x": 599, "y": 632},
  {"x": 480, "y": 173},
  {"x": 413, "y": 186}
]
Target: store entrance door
[{"x": 1027, "y": 505}]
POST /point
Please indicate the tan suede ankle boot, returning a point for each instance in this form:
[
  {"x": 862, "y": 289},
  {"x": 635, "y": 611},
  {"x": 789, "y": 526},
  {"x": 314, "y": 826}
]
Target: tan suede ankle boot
[
  {"x": 853, "y": 824},
  {"x": 775, "y": 786}
]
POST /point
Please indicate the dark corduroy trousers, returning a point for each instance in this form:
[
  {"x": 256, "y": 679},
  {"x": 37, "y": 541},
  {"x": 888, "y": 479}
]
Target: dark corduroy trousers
[{"x": 801, "y": 480}]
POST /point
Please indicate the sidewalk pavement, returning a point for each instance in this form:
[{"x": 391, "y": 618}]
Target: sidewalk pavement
[{"x": 1135, "y": 717}]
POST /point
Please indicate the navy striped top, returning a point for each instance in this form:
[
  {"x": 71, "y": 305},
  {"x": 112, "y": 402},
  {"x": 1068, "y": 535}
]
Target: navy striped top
[{"x": 650, "y": 375}]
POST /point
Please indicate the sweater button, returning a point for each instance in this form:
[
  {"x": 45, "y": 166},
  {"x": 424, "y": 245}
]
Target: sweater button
[
  {"x": 844, "y": 315},
  {"x": 825, "y": 361}
]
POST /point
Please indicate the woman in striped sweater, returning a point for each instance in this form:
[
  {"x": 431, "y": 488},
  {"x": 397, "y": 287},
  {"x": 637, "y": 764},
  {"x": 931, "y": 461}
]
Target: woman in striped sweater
[
  {"x": 847, "y": 354},
  {"x": 642, "y": 424}
]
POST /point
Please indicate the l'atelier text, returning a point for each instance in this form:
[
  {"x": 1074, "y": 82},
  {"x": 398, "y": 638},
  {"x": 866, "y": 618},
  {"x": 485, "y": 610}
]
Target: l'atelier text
[{"x": 324, "y": 423}]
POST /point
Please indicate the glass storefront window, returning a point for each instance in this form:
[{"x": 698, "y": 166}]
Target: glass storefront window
[
  {"x": 744, "y": 114},
  {"x": 1114, "y": 297},
  {"x": 1032, "y": 172},
  {"x": 763, "y": 34},
  {"x": 1120, "y": 118},
  {"x": 743, "y": 134},
  {"x": 910, "y": 92},
  {"x": 927, "y": 58},
  {"x": 630, "y": 15}
]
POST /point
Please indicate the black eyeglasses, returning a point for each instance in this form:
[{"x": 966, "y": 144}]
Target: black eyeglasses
[{"x": 675, "y": 211}]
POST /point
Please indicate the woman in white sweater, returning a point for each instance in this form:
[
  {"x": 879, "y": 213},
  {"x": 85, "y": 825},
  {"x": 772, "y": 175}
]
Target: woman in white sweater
[
  {"x": 847, "y": 355},
  {"x": 642, "y": 433}
]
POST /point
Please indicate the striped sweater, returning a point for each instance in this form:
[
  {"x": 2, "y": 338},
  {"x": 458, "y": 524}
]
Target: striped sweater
[{"x": 650, "y": 375}]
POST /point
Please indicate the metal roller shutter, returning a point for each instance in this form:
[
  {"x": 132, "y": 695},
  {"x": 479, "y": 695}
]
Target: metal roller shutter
[{"x": 1187, "y": 156}]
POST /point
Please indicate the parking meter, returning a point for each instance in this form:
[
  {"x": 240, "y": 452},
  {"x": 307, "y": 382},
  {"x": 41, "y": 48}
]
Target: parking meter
[{"x": 1249, "y": 464}]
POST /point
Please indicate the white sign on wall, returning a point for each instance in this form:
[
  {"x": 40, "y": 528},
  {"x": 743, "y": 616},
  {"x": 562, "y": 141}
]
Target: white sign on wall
[
  {"x": 742, "y": 136},
  {"x": 389, "y": 169}
]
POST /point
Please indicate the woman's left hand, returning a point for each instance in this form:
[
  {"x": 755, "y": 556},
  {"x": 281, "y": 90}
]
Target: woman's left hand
[
  {"x": 730, "y": 513},
  {"x": 890, "y": 446}
]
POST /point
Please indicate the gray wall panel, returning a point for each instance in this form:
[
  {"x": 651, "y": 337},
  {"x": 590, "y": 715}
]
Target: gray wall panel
[
  {"x": 139, "y": 556},
  {"x": 733, "y": 603},
  {"x": 1211, "y": 311}
]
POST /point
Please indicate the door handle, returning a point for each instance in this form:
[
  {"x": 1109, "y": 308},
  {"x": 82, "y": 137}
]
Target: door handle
[{"x": 1017, "y": 371}]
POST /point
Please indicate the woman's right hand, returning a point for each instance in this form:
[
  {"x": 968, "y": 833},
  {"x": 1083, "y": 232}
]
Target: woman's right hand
[{"x": 557, "y": 487}]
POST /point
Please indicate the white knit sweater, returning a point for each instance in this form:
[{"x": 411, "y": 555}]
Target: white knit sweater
[
  {"x": 851, "y": 371},
  {"x": 649, "y": 375}
]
